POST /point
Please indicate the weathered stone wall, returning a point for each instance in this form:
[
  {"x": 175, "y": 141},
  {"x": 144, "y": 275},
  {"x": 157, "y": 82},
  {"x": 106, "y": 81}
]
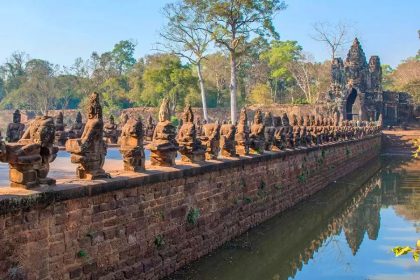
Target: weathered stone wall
[{"x": 144, "y": 227}]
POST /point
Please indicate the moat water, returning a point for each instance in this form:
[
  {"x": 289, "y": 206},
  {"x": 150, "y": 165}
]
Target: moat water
[{"x": 344, "y": 232}]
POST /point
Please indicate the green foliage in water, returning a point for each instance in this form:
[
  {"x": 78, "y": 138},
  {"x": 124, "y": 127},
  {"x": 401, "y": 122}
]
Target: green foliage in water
[
  {"x": 159, "y": 241},
  {"x": 247, "y": 200},
  {"x": 193, "y": 215},
  {"x": 82, "y": 254},
  {"x": 347, "y": 151},
  {"x": 301, "y": 178},
  {"x": 401, "y": 251}
]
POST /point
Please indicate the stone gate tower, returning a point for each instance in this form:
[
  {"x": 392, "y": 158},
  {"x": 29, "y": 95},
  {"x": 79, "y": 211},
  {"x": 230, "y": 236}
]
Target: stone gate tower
[{"x": 356, "y": 90}]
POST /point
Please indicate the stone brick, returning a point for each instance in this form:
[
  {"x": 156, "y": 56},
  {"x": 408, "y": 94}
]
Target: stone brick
[{"x": 118, "y": 228}]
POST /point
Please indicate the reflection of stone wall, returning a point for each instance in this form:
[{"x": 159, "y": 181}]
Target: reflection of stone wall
[{"x": 138, "y": 227}]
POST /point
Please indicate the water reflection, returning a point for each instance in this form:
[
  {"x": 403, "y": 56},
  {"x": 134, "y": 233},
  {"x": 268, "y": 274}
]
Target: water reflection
[{"x": 344, "y": 232}]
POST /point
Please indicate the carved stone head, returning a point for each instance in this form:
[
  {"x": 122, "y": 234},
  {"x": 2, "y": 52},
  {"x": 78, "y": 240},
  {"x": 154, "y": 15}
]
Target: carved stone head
[
  {"x": 243, "y": 117},
  {"x": 79, "y": 117},
  {"x": 268, "y": 119},
  {"x": 285, "y": 120},
  {"x": 16, "y": 117},
  {"x": 95, "y": 108},
  {"x": 188, "y": 115},
  {"x": 150, "y": 120},
  {"x": 295, "y": 120},
  {"x": 164, "y": 111},
  {"x": 133, "y": 127},
  {"x": 60, "y": 118},
  {"x": 258, "y": 119},
  {"x": 277, "y": 121},
  {"x": 301, "y": 120}
]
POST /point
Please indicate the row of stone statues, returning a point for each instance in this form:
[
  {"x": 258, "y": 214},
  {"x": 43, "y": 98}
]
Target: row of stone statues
[
  {"x": 30, "y": 156},
  {"x": 112, "y": 131}
]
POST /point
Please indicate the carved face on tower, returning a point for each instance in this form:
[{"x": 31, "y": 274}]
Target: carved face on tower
[
  {"x": 111, "y": 119},
  {"x": 164, "y": 112},
  {"x": 16, "y": 117},
  {"x": 95, "y": 109}
]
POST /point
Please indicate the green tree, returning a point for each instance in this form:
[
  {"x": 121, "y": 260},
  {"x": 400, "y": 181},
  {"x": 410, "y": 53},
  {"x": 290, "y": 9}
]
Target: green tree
[
  {"x": 185, "y": 36},
  {"x": 216, "y": 73},
  {"x": 13, "y": 71},
  {"x": 406, "y": 77},
  {"x": 279, "y": 57},
  {"x": 67, "y": 91},
  {"x": 387, "y": 71},
  {"x": 165, "y": 76},
  {"x": 232, "y": 23},
  {"x": 260, "y": 94},
  {"x": 123, "y": 55},
  {"x": 115, "y": 94},
  {"x": 135, "y": 81}
]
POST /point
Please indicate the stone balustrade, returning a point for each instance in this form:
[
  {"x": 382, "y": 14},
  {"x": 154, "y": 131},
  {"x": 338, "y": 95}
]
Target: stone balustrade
[{"x": 265, "y": 134}]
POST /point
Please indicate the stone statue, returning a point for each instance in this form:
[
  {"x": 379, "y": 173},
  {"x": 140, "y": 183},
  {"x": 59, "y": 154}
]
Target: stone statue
[
  {"x": 295, "y": 120},
  {"x": 15, "y": 129},
  {"x": 380, "y": 121},
  {"x": 242, "y": 134},
  {"x": 111, "y": 131},
  {"x": 313, "y": 121},
  {"x": 60, "y": 134},
  {"x": 164, "y": 146},
  {"x": 290, "y": 144},
  {"x": 150, "y": 128},
  {"x": 285, "y": 120},
  {"x": 199, "y": 126},
  {"x": 307, "y": 121},
  {"x": 190, "y": 146},
  {"x": 268, "y": 131},
  {"x": 227, "y": 140},
  {"x": 301, "y": 121},
  {"x": 76, "y": 129},
  {"x": 89, "y": 151},
  {"x": 296, "y": 136},
  {"x": 210, "y": 138},
  {"x": 131, "y": 148},
  {"x": 256, "y": 137},
  {"x": 124, "y": 119},
  {"x": 279, "y": 142},
  {"x": 29, "y": 159}
]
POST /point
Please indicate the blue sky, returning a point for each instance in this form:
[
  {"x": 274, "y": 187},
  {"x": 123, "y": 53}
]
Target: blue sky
[{"x": 60, "y": 31}]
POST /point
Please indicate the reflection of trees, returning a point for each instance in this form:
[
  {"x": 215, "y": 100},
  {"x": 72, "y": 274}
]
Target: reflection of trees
[
  {"x": 284, "y": 244},
  {"x": 401, "y": 188}
]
